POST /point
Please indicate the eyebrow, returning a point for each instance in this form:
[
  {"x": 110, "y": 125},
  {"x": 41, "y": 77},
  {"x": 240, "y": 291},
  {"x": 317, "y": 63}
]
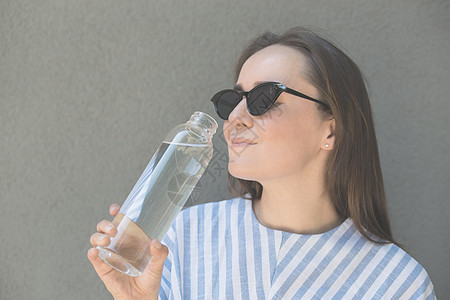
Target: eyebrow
[{"x": 238, "y": 87}]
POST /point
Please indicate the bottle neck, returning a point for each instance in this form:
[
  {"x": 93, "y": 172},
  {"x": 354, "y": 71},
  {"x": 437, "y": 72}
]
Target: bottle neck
[{"x": 205, "y": 124}]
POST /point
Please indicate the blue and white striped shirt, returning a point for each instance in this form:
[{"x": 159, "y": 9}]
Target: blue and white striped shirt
[{"x": 219, "y": 250}]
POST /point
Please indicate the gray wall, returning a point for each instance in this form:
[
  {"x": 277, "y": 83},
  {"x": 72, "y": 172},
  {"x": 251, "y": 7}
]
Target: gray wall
[{"x": 88, "y": 89}]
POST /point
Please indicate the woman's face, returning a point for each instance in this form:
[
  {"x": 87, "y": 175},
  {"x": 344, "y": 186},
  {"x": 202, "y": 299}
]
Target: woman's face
[{"x": 289, "y": 138}]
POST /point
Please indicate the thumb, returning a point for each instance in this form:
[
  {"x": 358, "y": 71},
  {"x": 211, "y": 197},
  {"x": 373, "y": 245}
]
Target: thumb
[{"x": 153, "y": 271}]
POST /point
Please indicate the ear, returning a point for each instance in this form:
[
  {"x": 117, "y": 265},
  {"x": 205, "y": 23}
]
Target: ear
[{"x": 329, "y": 136}]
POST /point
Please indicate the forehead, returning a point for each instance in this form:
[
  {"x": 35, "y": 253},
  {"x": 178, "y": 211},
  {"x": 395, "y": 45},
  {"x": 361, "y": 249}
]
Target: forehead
[{"x": 274, "y": 63}]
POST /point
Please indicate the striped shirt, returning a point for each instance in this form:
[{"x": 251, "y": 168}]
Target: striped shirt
[{"x": 219, "y": 250}]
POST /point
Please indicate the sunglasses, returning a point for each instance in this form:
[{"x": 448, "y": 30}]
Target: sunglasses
[{"x": 259, "y": 99}]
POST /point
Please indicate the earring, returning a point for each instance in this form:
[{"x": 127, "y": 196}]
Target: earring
[{"x": 326, "y": 145}]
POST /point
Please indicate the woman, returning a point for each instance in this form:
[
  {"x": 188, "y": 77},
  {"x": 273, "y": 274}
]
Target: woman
[{"x": 310, "y": 220}]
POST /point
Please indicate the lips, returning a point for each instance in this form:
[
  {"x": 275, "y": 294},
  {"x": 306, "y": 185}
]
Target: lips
[{"x": 241, "y": 141}]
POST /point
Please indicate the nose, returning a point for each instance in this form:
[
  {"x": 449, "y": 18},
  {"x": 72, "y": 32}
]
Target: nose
[{"x": 240, "y": 115}]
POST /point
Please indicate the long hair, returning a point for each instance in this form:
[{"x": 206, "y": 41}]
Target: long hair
[{"x": 353, "y": 172}]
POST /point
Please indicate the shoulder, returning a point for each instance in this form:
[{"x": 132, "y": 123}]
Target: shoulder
[
  {"x": 208, "y": 215},
  {"x": 390, "y": 269},
  {"x": 206, "y": 223},
  {"x": 215, "y": 208}
]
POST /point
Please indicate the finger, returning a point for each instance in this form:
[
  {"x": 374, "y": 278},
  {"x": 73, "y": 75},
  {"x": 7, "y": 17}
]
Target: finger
[
  {"x": 99, "y": 239},
  {"x": 153, "y": 272},
  {"x": 99, "y": 265},
  {"x": 114, "y": 209},
  {"x": 106, "y": 226},
  {"x": 158, "y": 250}
]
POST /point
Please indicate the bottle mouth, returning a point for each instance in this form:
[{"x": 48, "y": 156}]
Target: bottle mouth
[{"x": 205, "y": 121}]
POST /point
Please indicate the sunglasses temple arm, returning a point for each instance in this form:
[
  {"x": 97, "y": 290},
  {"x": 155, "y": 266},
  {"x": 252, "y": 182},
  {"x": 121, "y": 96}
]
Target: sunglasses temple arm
[{"x": 294, "y": 92}]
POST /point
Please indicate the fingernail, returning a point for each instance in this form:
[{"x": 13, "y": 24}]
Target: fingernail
[
  {"x": 113, "y": 208},
  {"x": 157, "y": 244},
  {"x": 109, "y": 228}
]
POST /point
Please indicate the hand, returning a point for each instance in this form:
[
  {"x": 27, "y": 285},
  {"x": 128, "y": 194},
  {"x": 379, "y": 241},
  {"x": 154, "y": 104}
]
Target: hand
[{"x": 122, "y": 286}]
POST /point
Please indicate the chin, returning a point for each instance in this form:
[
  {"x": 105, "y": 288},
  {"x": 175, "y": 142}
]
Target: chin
[{"x": 240, "y": 172}]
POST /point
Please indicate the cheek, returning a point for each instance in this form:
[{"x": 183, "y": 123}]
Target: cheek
[
  {"x": 283, "y": 149},
  {"x": 292, "y": 142}
]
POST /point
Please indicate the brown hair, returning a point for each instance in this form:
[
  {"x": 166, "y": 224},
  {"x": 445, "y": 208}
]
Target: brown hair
[{"x": 353, "y": 173}]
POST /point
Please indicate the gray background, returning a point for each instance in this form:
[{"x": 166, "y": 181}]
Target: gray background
[{"x": 88, "y": 89}]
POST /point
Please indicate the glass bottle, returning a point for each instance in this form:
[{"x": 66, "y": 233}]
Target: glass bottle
[{"x": 160, "y": 193}]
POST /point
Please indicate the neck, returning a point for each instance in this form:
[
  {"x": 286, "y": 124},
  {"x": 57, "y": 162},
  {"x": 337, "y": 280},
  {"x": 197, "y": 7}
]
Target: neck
[{"x": 297, "y": 206}]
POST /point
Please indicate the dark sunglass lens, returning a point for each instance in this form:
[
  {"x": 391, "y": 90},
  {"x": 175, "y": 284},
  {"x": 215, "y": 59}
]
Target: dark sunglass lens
[
  {"x": 261, "y": 99},
  {"x": 227, "y": 101}
]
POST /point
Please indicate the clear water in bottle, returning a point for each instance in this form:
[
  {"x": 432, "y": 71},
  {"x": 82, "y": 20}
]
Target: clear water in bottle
[{"x": 157, "y": 197}]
